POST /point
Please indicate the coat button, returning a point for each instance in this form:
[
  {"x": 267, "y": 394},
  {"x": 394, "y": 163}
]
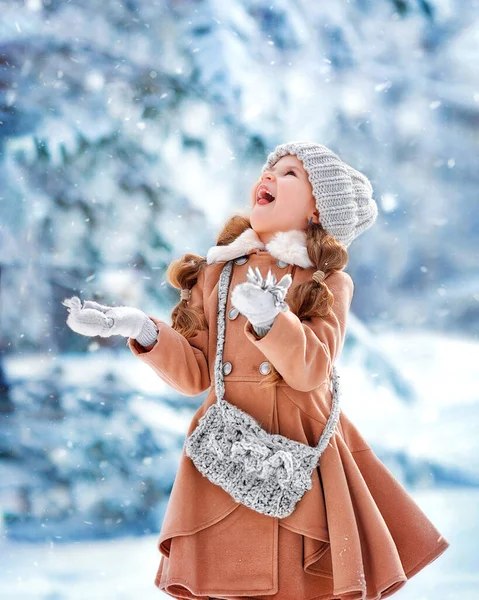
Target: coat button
[
  {"x": 282, "y": 264},
  {"x": 265, "y": 367},
  {"x": 227, "y": 366},
  {"x": 233, "y": 313},
  {"x": 241, "y": 260}
]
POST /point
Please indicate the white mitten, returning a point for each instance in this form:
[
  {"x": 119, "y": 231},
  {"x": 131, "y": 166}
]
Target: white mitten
[
  {"x": 261, "y": 300},
  {"x": 96, "y": 319}
]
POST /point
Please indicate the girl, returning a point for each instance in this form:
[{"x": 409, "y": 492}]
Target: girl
[{"x": 356, "y": 534}]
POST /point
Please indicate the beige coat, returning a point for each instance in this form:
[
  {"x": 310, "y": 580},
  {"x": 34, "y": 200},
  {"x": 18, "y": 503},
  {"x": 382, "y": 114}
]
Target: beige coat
[{"x": 359, "y": 530}]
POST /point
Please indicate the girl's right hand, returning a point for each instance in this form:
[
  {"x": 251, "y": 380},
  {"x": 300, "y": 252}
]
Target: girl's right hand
[{"x": 96, "y": 319}]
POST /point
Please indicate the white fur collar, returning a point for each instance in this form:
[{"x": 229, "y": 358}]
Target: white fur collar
[{"x": 288, "y": 246}]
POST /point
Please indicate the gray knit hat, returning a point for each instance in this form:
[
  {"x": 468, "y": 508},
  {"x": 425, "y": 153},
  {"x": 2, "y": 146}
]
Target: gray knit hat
[{"x": 343, "y": 195}]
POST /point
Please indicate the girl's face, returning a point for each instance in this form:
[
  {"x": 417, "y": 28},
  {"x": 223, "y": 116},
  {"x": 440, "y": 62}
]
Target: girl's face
[{"x": 293, "y": 202}]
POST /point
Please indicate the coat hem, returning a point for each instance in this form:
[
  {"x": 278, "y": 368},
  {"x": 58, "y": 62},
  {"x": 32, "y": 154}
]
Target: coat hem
[
  {"x": 383, "y": 590},
  {"x": 396, "y": 583},
  {"x": 206, "y": 595},
  {"x": 385, "y": 587}
]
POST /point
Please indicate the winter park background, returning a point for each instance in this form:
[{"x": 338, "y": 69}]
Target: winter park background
[{"x": 129, "y": 132}]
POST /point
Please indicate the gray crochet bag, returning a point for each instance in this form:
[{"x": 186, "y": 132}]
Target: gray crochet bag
[{"x": 268, "y": 473}]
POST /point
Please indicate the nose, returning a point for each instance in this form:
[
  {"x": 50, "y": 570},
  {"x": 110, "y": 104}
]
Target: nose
[{"x": 267, "y": 175}]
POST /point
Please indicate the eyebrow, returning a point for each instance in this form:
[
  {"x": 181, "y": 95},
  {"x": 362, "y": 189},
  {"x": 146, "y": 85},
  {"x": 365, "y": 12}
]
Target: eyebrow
[{"x": 290, "y": 167}]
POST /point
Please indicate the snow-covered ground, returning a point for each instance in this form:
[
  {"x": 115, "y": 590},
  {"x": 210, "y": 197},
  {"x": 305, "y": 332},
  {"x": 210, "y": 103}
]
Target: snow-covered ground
[{"x": 436, "y": 426}]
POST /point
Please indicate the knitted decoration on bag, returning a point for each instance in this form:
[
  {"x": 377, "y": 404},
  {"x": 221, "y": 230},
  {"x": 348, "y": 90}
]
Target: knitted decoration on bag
[{"x": 268, "y": 473}]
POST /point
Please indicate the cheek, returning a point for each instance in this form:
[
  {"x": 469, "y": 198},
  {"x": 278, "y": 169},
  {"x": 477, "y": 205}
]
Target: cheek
[
  {"x": 290, "y": 207},
  {"x": 291, "y": 191},
  {"x": 284, "y": 207},
  {"x": 303, "y": 198}
]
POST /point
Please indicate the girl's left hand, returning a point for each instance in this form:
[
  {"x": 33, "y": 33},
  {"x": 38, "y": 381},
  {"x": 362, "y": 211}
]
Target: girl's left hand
[{"x": 260, "y": 300}]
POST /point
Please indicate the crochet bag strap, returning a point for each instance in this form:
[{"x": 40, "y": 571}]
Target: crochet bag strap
[
  {"x": 218, "y": 369},
  {"x": 220, "y": 342}
]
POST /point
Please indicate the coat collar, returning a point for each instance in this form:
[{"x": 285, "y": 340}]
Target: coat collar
[{"x": 288, "y": 246}]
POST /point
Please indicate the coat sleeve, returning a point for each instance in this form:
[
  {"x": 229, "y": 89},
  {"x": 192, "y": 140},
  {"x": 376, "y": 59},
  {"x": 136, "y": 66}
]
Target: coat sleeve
[
  {"x": 181, "y": 363},
  {"x": 303, "y": 351}
]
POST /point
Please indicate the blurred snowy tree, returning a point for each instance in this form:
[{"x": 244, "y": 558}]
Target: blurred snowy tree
[
  {"x": 94, "y": 460},
  {"x": 130, "y": 131}
]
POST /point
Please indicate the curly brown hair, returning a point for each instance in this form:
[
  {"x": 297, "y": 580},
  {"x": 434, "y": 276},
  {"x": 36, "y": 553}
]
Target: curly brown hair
[{"x": 305, "y": 300}]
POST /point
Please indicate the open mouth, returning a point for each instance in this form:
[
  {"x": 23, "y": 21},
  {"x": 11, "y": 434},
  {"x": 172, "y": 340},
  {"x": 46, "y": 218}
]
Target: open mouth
[{"x": 264, "y": 196}]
